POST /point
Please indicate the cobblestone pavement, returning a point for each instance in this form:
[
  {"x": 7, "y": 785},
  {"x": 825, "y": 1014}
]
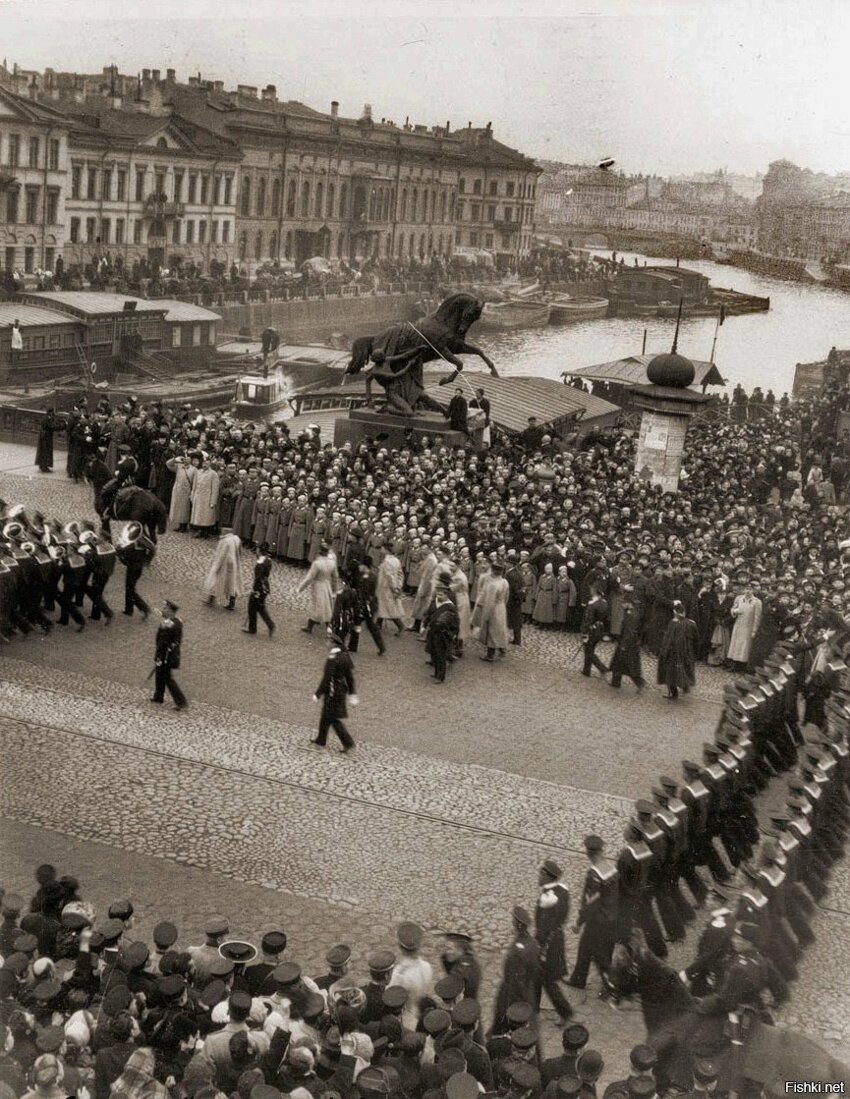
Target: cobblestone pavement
[{"x": 440, "y": 816}]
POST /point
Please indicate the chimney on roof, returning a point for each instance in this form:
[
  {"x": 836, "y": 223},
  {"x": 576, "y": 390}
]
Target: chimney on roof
[
  {"x": 218, "y": 85},
  {"x": 367, "y": 112},
  {"x": 171, "y": 75},
  {"x": 249, "y": 90},
  {"x": 155, "y": 75},
  {"x": 146, "y": 75},
  {"x": 469, "y": 125},
  {"x": 270, "y": 93},
  {"x": 334, "y": 108},
  {"x": 448, "y": 127}
]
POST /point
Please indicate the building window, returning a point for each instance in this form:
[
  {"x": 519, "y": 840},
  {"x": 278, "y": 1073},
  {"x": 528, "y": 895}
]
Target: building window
[
  {"x": 475, "y": 211},
  {"x": 290, "y": 199},
  {"x": 175, "y": 335},
  {"x": 329, "y": 213},
  {"x": 178, "y": 186},
  {"x": 32, "y": 205},
  {"x": 121, "y": 186},
  {"x": 276, "y": 198},
  {"x": 476, "y": 186},
  {"x": 491, "y": 213},
  {"x": 320, "y": 199},
  {"x": 53, "y": 154},
  {"x": 14, "y": 150},
  {"x": 205, "y": 187},
  {"x": 190, "y": 232},
  {"x": 289, "y": 245},
  {"x": 214, "y": 232},
  {"x": 33, "y": 152},
  {"x": 10, "y": 258},
  {"x": 261, "y": 198},
  {"x": 258, "y": 246},
  {"x": 443, "y": 206},
  {"x": 105, "y": 230},
  {"x": 53, "y": 207},
  {"x": 175, "y": 232},
  {"x": 461, "y": 186},
  {"x": 225, "y": 232},
  {"x": 137, "y": 232},
  {"x": 509, "y": 190},
  {"x": 12, "y": 206},
  {"x": 494, "y": 186},
  {"x": 76, "y": 181},
  {"x": 305, "y": 200},
  {"x": 106, "y": 185},
  {"x": 473, "y": 239},
  {"x": 91, "y": 230},
  {"x": 509, "y": 213},
  {"x": 343, "y": 200},
  {"x": 91, "y": 187},
  {"x": 228, "y": 189},
  {"x": 246, "y": 197},
  {"x": 119, "y": 230},
  {"x": 196, "y": 335},
  {"x": 75, "y": 230},
  {"x": 202, "y": 232},
  {"x": 488, "y": 240},
  {"x": 193, "y": 188},
  {"x": 140, "y": 184},
  {"x": 506, "y": 241},
  {"x": 29, "y": 266}
]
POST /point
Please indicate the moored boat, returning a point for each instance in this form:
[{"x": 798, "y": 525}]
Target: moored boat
[
  {"x": 259, "y": 398},
  {"x": 514, "y": 314},
  {"x": 564, "y": 308}
]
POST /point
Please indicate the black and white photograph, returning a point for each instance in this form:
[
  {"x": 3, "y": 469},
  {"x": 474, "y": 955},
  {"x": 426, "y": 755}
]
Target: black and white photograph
[{"x": 424, "y": 549}]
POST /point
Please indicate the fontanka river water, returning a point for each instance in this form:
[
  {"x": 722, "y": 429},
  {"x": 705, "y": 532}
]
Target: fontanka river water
[{"x": 803, "y": 323}]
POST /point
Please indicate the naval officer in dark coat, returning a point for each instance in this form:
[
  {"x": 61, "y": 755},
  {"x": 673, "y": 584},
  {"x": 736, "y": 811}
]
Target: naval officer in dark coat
[
  {"x": 336, "y": 688},
  {"x": 521, "y": 977},
  {"x": 169, "y": 638},
  {"x": 550, "y": 917}
]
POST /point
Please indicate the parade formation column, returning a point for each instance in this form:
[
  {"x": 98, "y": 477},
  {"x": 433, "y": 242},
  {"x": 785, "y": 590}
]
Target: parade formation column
[{"x": 668, "y": 404}]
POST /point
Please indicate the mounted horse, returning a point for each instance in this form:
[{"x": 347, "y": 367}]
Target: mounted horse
[{"x": 135, "y": 503}]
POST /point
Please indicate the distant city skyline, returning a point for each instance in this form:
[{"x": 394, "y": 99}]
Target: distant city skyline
[{"x": 664, "y": 88}]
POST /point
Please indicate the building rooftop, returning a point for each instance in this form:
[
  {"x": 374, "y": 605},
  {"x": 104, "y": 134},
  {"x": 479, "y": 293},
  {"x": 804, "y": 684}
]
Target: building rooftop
[
  {"x": 631, "y": 371},
  {"x": 185, "y": 312},
  {"x": 92, "y": 303},
  {"x": 30, "y": 316}
]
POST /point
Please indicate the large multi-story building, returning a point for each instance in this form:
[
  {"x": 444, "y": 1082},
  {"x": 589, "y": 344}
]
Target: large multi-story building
[
  {"x": 496, "y": 196},
  {"x": 145, "y": 187},
  {"x": 804, "y": 214},
  {"x": 33, "y": 177},
  {"x": 293, "y": 182}
]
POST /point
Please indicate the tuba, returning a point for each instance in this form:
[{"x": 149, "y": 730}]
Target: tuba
[
  {"x": 72, "y": 529},
  {"x": 129, "y": 536},
  {"x": 14, "y": 531}
]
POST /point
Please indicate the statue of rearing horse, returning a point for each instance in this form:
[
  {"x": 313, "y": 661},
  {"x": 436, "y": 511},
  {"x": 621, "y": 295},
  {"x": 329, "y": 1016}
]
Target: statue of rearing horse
[{"x": 399, "y": 353}]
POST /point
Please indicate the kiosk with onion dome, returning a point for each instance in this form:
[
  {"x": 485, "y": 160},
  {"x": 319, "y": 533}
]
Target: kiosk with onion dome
[{"x": 668, "y": 404}]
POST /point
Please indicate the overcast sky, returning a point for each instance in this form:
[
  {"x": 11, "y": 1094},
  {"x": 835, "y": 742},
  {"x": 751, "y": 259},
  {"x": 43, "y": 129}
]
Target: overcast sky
[{"x": 670, "y": 87}]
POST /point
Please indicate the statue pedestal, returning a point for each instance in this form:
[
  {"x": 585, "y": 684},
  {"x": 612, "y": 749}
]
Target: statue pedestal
[{"x": 361, "y": 423}]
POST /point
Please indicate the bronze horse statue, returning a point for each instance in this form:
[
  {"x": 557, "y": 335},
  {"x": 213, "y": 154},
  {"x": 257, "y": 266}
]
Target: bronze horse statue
[{"x": 399, "y": 352}]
